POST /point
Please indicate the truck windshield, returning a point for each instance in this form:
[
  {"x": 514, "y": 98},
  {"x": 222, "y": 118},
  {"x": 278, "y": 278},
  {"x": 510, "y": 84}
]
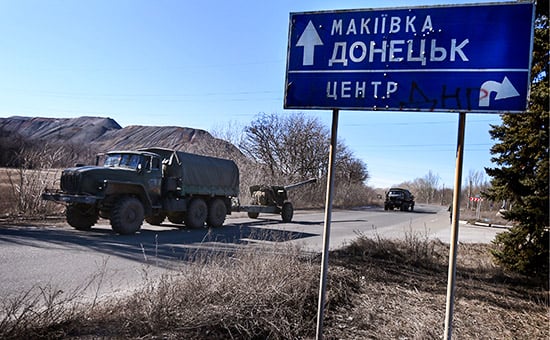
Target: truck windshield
[{"x": 122, "y": 160}]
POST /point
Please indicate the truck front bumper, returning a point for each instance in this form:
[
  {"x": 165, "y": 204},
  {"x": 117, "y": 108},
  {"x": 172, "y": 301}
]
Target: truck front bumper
[{"x": 57, "y": 196}]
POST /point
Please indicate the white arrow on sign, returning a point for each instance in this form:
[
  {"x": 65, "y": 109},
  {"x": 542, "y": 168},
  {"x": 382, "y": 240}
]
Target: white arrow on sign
[
  {"x": 503, "y": 90},
  {"x": 308, "y": 40}
]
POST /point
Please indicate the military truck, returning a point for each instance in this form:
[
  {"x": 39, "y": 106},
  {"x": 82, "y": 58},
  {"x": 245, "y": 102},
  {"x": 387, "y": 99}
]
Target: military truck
[
  {"x": 148, "y": 184},
  {"x": 399, "y": 198}
]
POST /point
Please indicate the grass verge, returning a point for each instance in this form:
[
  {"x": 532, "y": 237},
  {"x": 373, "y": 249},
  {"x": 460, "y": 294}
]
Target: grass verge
[{"x": 377, "y": 289}]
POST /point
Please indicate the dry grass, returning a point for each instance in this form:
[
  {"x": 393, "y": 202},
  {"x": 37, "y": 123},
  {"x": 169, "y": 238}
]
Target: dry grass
[
  {"x": 403, "y": 294},
  {"x": 378, "y": 289},
  {"x": 21, "y": 190}
]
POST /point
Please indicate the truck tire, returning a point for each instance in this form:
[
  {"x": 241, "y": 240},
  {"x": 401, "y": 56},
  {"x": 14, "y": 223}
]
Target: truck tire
[
  {"x": 176, "y": 218},
  {"x": 216, "y": 213},
  {"x": 80, "y": 216},
  {"x": 197, "y": 211},
  {"x": 155, "y": 219},
  {"x": 287, "y": 212},
  {"x": 253, "y": 214},
  {"x": 127, "y": 216}
]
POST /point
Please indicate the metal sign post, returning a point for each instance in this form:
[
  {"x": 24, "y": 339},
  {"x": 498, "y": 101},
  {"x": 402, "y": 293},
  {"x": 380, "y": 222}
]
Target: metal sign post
[
  {"x": 326, "y": 233},
  {"x": 451, "y": 283}
]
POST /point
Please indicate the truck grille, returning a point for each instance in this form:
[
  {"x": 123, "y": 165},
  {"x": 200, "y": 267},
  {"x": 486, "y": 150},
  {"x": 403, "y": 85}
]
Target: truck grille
[{"x": 70, "y": 183}]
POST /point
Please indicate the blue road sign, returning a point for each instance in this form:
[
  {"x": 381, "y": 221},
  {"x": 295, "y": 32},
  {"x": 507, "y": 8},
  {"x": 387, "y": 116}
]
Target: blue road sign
[{"x": 467, "y": 58}]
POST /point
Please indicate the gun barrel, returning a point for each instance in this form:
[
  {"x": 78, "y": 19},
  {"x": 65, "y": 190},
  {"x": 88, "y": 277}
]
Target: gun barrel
[{"x": 299, "y": 184}]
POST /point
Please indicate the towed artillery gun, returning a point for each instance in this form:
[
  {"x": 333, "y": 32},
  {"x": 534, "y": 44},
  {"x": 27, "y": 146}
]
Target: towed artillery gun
[{"x": 272, "y": 199}]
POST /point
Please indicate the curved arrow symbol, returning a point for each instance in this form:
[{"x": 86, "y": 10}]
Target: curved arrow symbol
[
  {"x": 503, "y": 90},
  {"x": 308, "y": 40}
]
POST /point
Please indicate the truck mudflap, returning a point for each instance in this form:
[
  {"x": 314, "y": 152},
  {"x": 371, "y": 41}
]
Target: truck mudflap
[{"x": 60, "y": 197}]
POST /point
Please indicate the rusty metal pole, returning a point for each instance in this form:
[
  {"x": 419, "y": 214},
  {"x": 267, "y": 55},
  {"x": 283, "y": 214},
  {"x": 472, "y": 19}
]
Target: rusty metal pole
[
  {"x": 328, "y": 217},
  {"x": 451, "y": 283}
]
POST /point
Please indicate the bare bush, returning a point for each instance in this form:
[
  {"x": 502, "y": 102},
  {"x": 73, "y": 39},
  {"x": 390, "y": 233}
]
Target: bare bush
[
  {"x": 27, "y": 182},
  {"x": 248, "y": 295},
  {"x": 263, "y": 292}
]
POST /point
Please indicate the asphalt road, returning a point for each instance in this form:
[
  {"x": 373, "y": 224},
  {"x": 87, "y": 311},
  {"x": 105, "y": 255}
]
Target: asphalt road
[{"x": 100, "y": 263}]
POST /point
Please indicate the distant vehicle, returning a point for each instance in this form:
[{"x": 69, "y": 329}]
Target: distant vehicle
[{"x": 399, "y": 198}]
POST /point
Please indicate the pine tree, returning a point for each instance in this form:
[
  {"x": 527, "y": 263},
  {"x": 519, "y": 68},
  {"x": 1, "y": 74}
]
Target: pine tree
[{"x": 521, "y": 177}]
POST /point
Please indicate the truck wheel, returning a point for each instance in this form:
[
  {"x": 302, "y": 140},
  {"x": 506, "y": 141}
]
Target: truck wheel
[
  {"x": 287, "y": 212},
  {"x": 127, "y": 216},
  {"x": 81, "y": 217},
  {"x": 155, "y": 219},
  {"x": 197, "y": 211},
  {"x": 385, "y": 207},
  {"x": 176, "y": 218},
  {"x": 216, "y": 213},
  {"x": 253, "y": 214}
]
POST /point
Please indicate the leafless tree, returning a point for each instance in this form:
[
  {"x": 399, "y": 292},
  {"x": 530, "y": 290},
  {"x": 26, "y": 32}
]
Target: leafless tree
[
  {"x": 292, "y": 146},
  {"x": 425, "y": 188},
  {"x": 295, "y": 147}
]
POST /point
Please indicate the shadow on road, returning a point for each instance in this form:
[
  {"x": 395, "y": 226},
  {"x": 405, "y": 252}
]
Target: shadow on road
[
  {"x": 153, "y": 245},
  {"x": 415, "y": 211}
]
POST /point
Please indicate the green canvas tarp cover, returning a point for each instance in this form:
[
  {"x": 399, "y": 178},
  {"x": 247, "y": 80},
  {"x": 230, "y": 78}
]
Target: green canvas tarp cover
[{"x": 201, "y": 175}]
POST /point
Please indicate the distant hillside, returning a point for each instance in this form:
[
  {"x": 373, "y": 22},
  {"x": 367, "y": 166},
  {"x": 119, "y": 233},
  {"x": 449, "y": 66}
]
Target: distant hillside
[{"x": 89, "y": 135}]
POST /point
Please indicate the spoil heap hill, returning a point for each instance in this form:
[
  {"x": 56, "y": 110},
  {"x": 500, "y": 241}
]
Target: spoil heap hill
[{"x": 90, "y": 135}]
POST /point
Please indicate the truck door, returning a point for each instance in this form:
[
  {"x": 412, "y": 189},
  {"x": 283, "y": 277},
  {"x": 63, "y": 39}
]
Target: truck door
[{"x": 153, "y": 172}]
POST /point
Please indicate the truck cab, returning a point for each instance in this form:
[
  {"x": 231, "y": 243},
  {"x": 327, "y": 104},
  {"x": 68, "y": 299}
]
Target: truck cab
[{"x": 123, "y": 186}]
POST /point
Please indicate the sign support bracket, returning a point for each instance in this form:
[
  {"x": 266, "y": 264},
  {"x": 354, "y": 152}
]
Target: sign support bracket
[
  {"x": 451, "y": 283},
  {"x": 328, "y": 217}
]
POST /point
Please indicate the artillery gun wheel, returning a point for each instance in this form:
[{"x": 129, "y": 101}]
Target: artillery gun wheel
[
  {"x": 127, "y": 216},
  {"x": 287, "y": 212},
  {"x": 216, "y": 213},
  {"x": 80, "y": 216},
  {"x": 155, "y": 219},
  {"x": 253, "y": 214},
  {"x": 197, "y": 211}
]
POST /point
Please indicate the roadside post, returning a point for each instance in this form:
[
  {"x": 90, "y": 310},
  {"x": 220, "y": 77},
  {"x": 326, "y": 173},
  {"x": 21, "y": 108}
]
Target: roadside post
[
  {"x": 472, "y": 58},
  {"x": 327, "y": 222}
]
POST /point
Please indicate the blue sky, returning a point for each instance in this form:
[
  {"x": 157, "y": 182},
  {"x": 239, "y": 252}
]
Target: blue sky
[{"x": 203, "y": 64}]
